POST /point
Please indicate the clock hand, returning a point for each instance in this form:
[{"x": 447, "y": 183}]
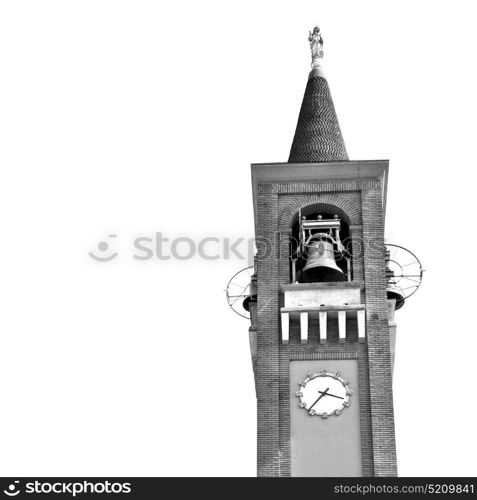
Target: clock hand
[
  {"x": 321, "y": 395},
  {"x": 328, "y": 394}
]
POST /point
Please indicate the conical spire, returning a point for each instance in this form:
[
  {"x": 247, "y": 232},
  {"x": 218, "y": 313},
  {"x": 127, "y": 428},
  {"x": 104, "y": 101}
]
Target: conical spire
[{"x": 318, "y": 136}]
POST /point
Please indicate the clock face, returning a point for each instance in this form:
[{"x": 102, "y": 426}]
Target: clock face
[{"x": 324, "y": 393}]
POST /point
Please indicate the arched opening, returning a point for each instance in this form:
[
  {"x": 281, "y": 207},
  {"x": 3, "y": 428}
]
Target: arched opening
[{"x": 320, "y": 245}]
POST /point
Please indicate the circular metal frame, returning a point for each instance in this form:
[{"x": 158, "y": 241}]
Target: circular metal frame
[
  {"x": 238, "y": 289},
  {"x": 407, "y": 269}
]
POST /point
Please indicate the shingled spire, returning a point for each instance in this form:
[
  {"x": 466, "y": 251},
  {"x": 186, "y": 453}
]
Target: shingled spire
[{"x": 318, "y": 136}]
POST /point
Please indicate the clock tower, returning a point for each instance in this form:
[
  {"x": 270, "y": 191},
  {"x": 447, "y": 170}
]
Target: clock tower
[{"x": 321, "y": 309}]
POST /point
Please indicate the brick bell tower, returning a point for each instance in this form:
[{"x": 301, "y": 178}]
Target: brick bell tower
[{"x": 320, "y": 324}]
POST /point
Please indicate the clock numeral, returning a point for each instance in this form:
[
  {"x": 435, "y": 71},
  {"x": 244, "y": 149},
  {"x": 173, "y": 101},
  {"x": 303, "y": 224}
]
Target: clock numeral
[
  {"x": 324, "y": 415},
  {"x": 312, "y": 412},
  {"x": 346, "y": 403},
  {"x": 311, "y": 375},
  {"x": 345, "y": 382},
  {"x": 349, "y": 392},
  {"x": 303, "y": 405},
  {"x": 338, "y": 411},
  {"x": 337, "y": 375},
  {"x": 302, "y": 383},
  {"x": 298, "y": 394},
  {"x": 323, "y": 373}
]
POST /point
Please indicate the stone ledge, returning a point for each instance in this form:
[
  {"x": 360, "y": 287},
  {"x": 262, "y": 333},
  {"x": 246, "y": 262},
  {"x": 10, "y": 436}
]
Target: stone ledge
[{"x": 322, "y": 286}]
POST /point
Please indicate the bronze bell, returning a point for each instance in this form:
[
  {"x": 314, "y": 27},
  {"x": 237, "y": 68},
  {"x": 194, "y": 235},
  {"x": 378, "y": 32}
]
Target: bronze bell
[
  {"x": 246, "y": 302},
  {"x": 320, "y": 263},
  {"x": 394, "y": 292}
]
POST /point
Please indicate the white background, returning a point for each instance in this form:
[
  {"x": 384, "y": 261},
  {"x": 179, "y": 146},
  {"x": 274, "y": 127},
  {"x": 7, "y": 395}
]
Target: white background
[{"x": 132, "y": 117}]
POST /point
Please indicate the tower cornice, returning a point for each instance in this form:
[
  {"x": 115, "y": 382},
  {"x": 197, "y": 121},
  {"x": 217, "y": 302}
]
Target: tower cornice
[{"x": 273, "y": 173}]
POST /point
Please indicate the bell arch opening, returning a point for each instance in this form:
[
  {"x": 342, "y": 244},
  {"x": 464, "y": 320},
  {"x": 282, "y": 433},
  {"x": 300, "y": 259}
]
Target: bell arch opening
[{"x": 320, "y": 245}]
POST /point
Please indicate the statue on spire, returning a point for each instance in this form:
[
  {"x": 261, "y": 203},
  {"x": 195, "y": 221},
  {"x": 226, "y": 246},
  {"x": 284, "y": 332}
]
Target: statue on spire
[{"x": 316, "y": 45}]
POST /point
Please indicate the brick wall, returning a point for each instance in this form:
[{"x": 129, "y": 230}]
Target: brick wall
[{"x": 358, "y": 202}]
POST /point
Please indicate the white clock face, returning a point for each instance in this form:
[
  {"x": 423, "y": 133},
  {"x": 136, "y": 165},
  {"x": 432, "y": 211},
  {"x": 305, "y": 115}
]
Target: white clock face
[{"x": 324, "y": 393}]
